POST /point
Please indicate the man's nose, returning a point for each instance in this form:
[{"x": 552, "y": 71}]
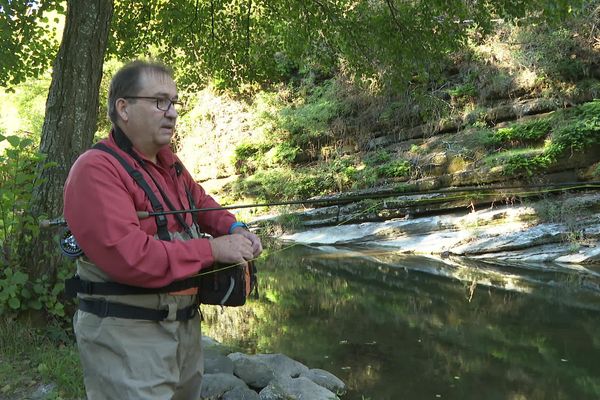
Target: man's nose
[{"x": 171, "y": 112}]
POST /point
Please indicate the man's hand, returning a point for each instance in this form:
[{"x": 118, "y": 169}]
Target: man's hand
[
  {"x": 256, "y": 243},
  {"x": 230, "y": 249}
]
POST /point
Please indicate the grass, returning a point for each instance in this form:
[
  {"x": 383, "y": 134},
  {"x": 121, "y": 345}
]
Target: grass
[{"x": 31, "y": 357}]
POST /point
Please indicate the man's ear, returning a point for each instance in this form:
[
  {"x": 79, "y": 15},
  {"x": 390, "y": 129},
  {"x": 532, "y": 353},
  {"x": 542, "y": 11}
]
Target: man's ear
[{"x": 121, "y": 107}]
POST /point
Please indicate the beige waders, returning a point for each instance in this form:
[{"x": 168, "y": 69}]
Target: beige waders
[{"x": 139, "y": 359}]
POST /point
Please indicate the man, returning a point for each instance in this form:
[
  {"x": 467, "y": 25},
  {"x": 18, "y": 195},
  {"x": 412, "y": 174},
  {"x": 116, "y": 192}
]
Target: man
[{"x": 139, "y": 342}]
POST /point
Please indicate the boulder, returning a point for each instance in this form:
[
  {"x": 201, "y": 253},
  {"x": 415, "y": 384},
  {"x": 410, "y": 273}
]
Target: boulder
[
  {"x": 250, "y": 369},
  {"x": 214, "y": 386},
  {"x": 300, "y": 388},
  {"x": 325, "y": 379},
  {"x": 241, "y": 393}
]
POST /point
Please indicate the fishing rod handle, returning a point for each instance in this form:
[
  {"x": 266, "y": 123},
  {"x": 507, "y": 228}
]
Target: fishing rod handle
[{"x": 47, "y": 223}]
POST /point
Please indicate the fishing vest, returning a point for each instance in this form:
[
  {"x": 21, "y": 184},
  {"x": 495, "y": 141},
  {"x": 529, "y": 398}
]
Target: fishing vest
[{"x": 225, "y": 285}]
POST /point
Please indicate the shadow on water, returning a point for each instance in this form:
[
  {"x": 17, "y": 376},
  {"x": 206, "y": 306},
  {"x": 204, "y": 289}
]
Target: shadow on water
[{"x": 396, "y": 332}]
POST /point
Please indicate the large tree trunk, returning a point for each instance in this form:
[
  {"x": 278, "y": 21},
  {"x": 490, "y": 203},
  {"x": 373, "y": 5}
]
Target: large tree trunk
[{"x": 70, "y": 120}]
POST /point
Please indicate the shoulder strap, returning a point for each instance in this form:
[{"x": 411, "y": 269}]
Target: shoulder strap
[{"x": 161, "y": 220}]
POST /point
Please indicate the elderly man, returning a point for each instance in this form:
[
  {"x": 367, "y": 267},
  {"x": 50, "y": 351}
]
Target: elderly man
[{"x": 136, "y": 339}]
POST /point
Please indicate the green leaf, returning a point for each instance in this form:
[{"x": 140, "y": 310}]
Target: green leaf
[
  {"x": 14, "y": 303},
  {"x": 25, "y": 293},
  {"x": 13, "y": 140},
  {"x": 37, "y": 288},
  {"x": 25, "y": 142},
  {"x": 20, "y": 278}
]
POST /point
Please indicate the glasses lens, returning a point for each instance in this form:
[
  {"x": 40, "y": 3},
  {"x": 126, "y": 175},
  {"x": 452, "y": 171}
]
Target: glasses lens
[{"x": 163, "y": 104}]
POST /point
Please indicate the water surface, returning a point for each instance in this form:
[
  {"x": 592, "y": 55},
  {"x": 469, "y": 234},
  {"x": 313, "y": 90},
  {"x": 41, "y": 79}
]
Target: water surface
[{"x": 392, "y": 332}]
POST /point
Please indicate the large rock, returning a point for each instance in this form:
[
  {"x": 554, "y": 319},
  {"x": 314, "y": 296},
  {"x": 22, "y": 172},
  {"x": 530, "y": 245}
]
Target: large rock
[
  {"x": 240, "y": 393},
  {"x": 295, "y": 389},
  {"x": 214, "y": 386},
  {"x": 283, "y": 365},
  {"x": 255, "y": 372},
  {"x": 325, "y": 379},
  {"x": 215, "y": 362}
]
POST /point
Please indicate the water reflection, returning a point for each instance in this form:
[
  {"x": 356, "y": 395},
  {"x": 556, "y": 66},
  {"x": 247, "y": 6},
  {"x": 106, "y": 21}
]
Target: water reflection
[{"x": 397, "y": 333}]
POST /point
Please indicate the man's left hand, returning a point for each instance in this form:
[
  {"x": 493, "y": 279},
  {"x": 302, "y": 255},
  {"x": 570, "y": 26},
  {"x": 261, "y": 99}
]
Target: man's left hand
[{"x": 256, "y": 243}]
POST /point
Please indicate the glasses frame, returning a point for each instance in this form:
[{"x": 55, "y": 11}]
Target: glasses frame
[{"x": 158, "y": 99}]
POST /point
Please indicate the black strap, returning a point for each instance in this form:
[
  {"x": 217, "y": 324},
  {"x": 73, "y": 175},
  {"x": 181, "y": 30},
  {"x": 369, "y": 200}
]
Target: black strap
[
  {"x": 103, "y": 308},
  {"x": 76, "y": 285},
  {"x": 161, "y": 220},
  {"x": 178, "y": 217}
]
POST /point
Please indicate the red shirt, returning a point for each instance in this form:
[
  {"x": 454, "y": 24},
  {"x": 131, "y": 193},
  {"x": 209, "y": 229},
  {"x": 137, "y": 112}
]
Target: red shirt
[{"x": 100, "y": 204}]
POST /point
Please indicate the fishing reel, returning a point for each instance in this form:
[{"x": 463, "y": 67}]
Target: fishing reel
[{"x": 68, "y": 245}]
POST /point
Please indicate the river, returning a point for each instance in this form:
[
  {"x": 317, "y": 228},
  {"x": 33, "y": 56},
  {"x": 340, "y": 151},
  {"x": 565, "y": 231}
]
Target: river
[{"x": 396, "y": 332}]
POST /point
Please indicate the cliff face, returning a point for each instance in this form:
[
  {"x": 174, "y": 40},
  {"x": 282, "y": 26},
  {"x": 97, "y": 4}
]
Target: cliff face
[{"x": 511, "y": 126}]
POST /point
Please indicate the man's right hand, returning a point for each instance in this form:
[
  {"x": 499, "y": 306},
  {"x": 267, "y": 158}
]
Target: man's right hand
[{"x": 230, "y": 249}]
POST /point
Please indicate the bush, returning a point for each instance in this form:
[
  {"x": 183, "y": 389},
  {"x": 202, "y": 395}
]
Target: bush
[{"x": 19, "y": 291}]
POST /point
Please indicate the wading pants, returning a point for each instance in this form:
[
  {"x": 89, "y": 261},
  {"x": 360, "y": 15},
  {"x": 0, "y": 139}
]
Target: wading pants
[{"x": 138, "y": 359}]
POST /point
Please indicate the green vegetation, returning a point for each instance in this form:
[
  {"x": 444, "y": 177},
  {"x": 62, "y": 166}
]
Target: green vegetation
[
  {"x": 18, "y": 291},
  {"x": 31, "y": 357},
  {"x": 566, "y": 133}
]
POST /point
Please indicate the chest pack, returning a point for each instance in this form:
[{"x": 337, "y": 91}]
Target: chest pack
[{"x": 225, "y": 285}]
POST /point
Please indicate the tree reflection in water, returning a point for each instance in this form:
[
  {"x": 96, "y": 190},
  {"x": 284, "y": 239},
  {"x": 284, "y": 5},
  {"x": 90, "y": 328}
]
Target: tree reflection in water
[{"x": 395, "y": 333}]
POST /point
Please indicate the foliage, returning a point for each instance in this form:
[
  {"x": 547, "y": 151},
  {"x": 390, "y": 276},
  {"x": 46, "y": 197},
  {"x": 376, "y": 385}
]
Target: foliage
[
  {"x": 283, "y": 183},
  {"x": 232, "y": 41},
  {"x": 19, "y": 291},
  {"x": 568, "y": 132},
  {"x": 28, "y": 38},
  {"x": 521, "y": 133}
]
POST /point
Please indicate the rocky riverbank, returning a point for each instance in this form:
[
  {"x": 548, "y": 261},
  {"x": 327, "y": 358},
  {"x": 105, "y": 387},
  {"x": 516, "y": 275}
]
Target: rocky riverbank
[
  {"x": 238, "y": 376},
  {"x": 503, "y": 233}
]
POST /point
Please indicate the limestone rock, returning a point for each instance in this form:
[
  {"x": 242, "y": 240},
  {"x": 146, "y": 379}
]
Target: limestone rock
[
  {"x": 283, "y": 365},
  {"x": 295, "y": 389},
  {"x": 215, "y": 362},
  {"x": 250, "y": 369},
  {"x": 240, "y": 393},
  {"x": 214, "y": 386},
  {"x": 325, "y": 379}
]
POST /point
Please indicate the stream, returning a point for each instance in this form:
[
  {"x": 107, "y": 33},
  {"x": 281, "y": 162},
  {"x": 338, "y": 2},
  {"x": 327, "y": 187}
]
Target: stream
[{"x": 398, "y": 331}]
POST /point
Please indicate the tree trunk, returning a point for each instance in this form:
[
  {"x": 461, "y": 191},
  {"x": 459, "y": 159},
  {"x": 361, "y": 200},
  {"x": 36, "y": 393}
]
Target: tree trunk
[{"x": 70, "y": 120}]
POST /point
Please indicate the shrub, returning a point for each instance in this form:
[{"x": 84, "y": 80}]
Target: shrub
[{"x": 18, "y": 290}]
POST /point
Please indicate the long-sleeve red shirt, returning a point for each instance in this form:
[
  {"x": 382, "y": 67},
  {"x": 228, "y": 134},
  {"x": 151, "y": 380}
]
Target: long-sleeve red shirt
[{"x": 100, "y": 204}]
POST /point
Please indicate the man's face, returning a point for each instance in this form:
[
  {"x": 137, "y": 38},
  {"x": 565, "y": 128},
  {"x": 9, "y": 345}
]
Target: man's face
[{"x": 147, "y": 127}]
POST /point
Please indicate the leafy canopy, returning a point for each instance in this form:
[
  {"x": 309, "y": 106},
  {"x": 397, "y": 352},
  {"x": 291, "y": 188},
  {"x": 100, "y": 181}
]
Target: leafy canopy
[{"x": 234, "y": 41}]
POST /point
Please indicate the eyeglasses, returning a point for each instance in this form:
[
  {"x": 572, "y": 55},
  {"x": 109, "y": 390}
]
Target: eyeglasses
[{"x": 162, "y": 103}]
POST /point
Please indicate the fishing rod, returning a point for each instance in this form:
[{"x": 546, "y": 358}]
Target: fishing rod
[{"x": 349, "y": 199}]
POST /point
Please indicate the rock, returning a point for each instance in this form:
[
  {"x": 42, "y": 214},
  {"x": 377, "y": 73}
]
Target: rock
[
  {"x": 541, "y": 234},
  {"x": 240, "y": 393},
  {"x": 44, "y": 391},
  {"x": 250, "y": 369},
  {"x": 583, "y": 256},
  {"x": 283, "y": 365},
  {"x": 295, "y": 389},
  {"x": 325, "y": 379},
  {"x": 215, "y": 362},
  {"x": 214, "y": 386}
]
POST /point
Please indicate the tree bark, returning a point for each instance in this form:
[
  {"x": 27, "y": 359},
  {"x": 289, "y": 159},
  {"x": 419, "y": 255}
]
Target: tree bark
[{"x": 70, "y": 119}]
